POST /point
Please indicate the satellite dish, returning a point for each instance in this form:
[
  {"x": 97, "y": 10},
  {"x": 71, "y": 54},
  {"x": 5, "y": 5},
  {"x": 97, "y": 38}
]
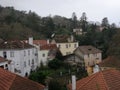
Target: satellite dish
[{"x": 52, "y": 35}]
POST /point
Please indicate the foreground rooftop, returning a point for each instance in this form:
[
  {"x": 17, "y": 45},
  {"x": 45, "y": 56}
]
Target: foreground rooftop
[
  {"x": 103, "y": 80},
  {"x": 10, "y": 81}
]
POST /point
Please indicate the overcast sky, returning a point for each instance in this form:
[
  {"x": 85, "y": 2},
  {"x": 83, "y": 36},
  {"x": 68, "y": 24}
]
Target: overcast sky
[{"x": 96, "y": 10}]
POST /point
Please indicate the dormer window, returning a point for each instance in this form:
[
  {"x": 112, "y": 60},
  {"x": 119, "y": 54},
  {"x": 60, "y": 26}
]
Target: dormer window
[
  {"x": 5, "y": 54},
  {"x": 89, "y": 49}
]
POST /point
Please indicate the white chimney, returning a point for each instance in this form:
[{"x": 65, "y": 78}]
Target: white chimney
[
  {"x": 48, "y": 41},
  {"x": 72, "y": 38},
  {"x": 73, "y": 82},
  {"x": 30, "y": 40}
]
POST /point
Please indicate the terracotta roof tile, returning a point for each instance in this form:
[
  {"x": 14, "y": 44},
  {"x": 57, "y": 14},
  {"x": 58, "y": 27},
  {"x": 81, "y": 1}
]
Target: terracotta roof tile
[
  {"x": 103, "y": 80},
  {"x": 16, "y": 44},
  {"x": 48, "y": 47},
  {"x": 40, "y": 42},
  {"x": 88, "y": 49},
  {"x": 10, "y": 81}
]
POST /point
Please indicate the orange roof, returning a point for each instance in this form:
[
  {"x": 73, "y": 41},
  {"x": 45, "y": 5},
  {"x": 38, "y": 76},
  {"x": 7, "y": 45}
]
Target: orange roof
[
  {"x": 40, "y": 42},
  {"x": 111, "y": 61},
  {"x": 10, "y": 81},
  {"x": 48, "y": 47},
  {"x": 14, "y": 44},
  {"x": 103, "y": 80}
]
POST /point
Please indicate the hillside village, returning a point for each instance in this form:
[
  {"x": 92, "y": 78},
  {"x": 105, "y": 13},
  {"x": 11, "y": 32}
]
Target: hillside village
[{"x": 80, "y": 56}]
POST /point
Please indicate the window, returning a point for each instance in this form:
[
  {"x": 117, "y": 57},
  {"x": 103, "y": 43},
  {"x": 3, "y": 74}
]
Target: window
[
  {"x": 5, "y": 54},
  {"x": 32, "y": 51},
  {"x": 66, "y": 45},
  {"x": 24, "y": 53},
  {"x": 69, "y": 45},
  {"x": 59, "y": 46},
  {"x": 11, "y": 54},
  {"x": 24, "y": 64},
  {"x": 29, "y": 62},
  {"x": 88, "y": 55},
  {"x": 6, "y": 65},
  {"x": 28, "y": 52},
  {"x": 75, "y": 46},
  {"x": 32, "y": 61},
  {"x": 43, "y": 55}
]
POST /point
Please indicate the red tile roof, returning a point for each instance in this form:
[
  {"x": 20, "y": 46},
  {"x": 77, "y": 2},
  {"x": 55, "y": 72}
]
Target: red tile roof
[
  {"x": 88, "y": 49},
  {"x": 40, "y": 42},
  {"x": 16, "y": 44},
  {"x": 111, "y": 61},
  {"x": 48, "y": 47},
  {"x": 3, "y": 59},
  {"x": 103, "y": 80},
  {"x": 10, "y": 81}
]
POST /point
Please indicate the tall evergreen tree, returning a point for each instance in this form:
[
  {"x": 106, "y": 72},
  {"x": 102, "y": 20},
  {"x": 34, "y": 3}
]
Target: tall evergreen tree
[
  {"x": 83, "y": 21},
  {"x": 105, "y": 22},
  {"x": 74, "y": 20}
]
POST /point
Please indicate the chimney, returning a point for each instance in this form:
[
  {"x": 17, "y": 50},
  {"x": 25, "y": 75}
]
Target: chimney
[
  {"x": 73, "y": 82},
  {"x": 72, "y": 38},
  {"x": 48, "y": 41},
  {"x": 30, "y": 40}
]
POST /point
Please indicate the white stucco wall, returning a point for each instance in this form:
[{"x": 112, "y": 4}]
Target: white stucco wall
[
  {"x": 91, "y": 59},
  {"x": 43, "y": 58},
  {"x": 19, "y": 59}
]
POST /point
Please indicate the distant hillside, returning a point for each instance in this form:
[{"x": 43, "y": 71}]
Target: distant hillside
[{"x": 19, "y": 24}]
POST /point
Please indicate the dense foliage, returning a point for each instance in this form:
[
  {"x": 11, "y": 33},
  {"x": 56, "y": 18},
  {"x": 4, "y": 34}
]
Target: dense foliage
[
  {"x": 55, "y": 64},
  {"x": 16, "y": 24}
]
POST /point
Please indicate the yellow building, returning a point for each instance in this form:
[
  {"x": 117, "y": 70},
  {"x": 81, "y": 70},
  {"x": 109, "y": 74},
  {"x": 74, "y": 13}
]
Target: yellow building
[
  {"x": 89, "y": 54},
  {"x": 66, "y": 44}
]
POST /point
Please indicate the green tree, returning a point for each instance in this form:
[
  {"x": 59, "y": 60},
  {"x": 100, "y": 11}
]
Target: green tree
[
  {"x": 83, "y": 21},
  {"x": 55, "y": 64},
  {"x": 38, "y": 77},
  {"x": 74, "y": 20},
  {"x": 54, "y": 85},
  {"x": 105, "y": 22},
  {"x": 114, "y": 46}
]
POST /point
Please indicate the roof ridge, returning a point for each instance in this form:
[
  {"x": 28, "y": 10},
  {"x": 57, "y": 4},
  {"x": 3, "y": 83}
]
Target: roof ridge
[
  {"x": 94, "y": 75},
  {"x": 104, "y": 80}
]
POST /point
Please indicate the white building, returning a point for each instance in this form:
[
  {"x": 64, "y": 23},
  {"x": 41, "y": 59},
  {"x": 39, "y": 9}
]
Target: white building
[
  {"x": 78, "y": 31},
  {"x": 45, "y": 50},
  {"x": 23, "y": 56},
  {"x": 45, "y": 54}
]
